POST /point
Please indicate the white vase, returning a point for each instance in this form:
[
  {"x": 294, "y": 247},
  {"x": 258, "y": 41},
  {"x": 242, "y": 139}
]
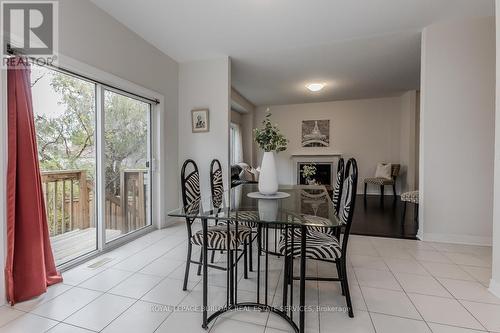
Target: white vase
[
  {"x": 268, "y": 209},
  {"x": 268, "y": 180}
]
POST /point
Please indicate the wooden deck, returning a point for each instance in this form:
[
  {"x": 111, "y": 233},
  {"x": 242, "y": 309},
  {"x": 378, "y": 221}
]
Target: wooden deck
[{"x": 78, "y": 242}]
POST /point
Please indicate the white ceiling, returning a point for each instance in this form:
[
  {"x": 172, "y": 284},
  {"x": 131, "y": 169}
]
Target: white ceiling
[{"x": 360, "y": 48}]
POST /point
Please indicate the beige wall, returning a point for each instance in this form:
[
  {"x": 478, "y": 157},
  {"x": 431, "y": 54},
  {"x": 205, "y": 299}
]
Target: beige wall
[
  {"x": 367, "y": 129},
  {"x": 236, "y": 117},
  {"x": 205, "y": 84},
  {"x": 457, "y": 131}
]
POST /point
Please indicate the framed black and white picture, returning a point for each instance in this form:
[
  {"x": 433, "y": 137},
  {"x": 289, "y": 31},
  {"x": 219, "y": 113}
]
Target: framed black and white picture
[
  {"x": 199, "y": 120},
  {"x": 316, "y": 133}
]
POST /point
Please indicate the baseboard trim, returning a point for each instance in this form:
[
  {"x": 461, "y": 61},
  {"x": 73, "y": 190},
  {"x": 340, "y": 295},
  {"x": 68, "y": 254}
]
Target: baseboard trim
[
  {"x": 457, "y": 239},
  {"x": 494, "y": 288},
  {"x": 170, "y": 220}
]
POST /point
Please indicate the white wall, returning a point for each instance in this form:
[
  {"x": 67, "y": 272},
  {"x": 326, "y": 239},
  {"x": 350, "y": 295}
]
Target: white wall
[
  {"x": 495, "y": 279},
  {"x": 367, "y": 129},
  {"x": 89, "y": 35},
  {"x": 457, "y": 130},
  {"x": 205, "y": 84}
]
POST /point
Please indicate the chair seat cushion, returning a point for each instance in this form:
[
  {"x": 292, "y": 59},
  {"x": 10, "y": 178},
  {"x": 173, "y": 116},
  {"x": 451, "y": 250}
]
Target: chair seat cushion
[
  {"x": 312, "y": 229},
  {"x": 217, "y": 237},
  {"x": 244, "y": 218},
  {"x": 318, "y": 246},
  {"x": 379, "y": 181},
  {"x": 411, "y": 196}
]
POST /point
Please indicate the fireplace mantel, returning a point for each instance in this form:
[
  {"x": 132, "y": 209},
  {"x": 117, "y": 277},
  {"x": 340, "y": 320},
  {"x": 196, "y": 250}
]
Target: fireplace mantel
[
  {"x": 312, "y": 157},
  {"x": 313, "y": 154}
]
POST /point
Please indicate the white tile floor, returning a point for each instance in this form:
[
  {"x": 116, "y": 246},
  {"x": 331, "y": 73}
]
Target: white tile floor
[{"x": 396, "y": 286}]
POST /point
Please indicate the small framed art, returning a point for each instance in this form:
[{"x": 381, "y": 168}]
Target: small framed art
[{"x": 200, "y": 120}]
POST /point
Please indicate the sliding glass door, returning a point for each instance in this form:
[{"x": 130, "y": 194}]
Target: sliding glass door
[
  {"x": 94, "y": 148},
  {"x": 64, "y": 113},
  {"x": 126, "y": 167}
]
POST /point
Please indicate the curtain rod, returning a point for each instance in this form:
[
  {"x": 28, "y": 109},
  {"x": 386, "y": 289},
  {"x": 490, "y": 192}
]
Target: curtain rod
[{"x": 11, "y": 52}]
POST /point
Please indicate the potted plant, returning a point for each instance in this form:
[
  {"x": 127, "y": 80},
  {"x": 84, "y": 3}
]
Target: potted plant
[
  {"x": 308, "y": 171},
  {"x": 271, "y": 141}
]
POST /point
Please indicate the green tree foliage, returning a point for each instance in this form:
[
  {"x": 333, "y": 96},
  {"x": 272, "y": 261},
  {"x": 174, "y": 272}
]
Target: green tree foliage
[
  {"x": 66, "y": 141},
  {"x": 125, "y": 136}
]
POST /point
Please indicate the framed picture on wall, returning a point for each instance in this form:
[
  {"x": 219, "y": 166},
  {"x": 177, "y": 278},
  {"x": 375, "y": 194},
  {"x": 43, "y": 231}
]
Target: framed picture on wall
[
  {"x": 199, "y": 120},
  {"x": 316, "y": 133}
]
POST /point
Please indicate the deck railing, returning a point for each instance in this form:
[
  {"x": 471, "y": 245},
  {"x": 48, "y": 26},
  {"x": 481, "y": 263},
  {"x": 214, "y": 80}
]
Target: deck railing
[{"x": 69, "y": 201}]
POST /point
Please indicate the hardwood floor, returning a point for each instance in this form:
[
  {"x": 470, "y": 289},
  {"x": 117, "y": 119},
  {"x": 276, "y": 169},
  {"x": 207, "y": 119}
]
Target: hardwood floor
[{"x": 376, "y": 218}]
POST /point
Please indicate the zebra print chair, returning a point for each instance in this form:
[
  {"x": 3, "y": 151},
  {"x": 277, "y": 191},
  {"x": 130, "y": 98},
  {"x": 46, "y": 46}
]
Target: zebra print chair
[
  {"x": 217, "y": 190},
  {"x": 216, "y": 184},
  {"x": 324, "y": 246},
  {"x": 217, "y": 235}
]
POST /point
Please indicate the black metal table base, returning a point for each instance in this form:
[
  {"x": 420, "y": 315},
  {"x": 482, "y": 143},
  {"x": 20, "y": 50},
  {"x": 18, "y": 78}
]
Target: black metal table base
[
  {"x": 232, "y": 284},
  {"x": 247, "y": 305}
]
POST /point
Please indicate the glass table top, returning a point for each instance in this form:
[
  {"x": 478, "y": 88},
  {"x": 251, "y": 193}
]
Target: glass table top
[{"x": 306, "y": 205}]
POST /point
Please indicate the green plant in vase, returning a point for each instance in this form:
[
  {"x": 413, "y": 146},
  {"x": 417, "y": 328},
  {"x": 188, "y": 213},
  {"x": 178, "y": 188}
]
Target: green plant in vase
[
  {"x": 271, "y": 141},
  {"x": 308, "y": 171}
]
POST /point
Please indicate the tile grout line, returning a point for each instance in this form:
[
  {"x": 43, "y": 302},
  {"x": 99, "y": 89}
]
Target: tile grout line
[
  {"x": 458, "y": 301},
  {"x": 364, "y": 300},
  {"x": 408, "y": 297},
  {"x": 102, "y": 292},
  {"x": 163, "y": 278},
  {"x": 394, "y": 276},
  {"x": 78, "y": 286}
]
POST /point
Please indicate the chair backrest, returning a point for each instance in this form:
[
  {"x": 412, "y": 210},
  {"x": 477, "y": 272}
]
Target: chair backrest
[
  {"x": 216, "y": 183},
  {"x": 337, "y": 188},
  {"x": 395, "y": 170},
  {"x": 190, "y": 186},
  {"x": 348, "y": 200}
]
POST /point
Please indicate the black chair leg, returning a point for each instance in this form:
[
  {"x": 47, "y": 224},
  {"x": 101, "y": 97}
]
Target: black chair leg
[
  {"x": 366, "y": 185},
  {"x": 213, "y": 257},
  {"x": 285, "y": 283},
  {"x": 416, "y": 213},
  {"x": 250, "y": 254},
  {"x": 346, "y": 287},
  {"x": 259, "y": 240},
  {"x": 339, "y": 273},
  {"x": 188, "y": 263},
  {"x": 200, "y": 264},
  {"x": 382, "y": 191},
  {"x": 231, "y": 276},
  {"x": 404, "y": 214},
  {"x": 245, "y": 260},
  {"x": 394, "y": 190}
]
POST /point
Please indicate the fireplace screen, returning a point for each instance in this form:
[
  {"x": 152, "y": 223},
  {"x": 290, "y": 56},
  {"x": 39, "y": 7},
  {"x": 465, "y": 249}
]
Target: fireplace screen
[{"x": 321, "y": 175}]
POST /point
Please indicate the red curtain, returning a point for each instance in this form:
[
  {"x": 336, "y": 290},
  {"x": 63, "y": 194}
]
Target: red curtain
[{"x": 30, "y": 265}]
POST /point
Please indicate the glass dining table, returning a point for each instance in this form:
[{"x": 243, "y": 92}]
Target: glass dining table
[{"x": 299, "y": 208}]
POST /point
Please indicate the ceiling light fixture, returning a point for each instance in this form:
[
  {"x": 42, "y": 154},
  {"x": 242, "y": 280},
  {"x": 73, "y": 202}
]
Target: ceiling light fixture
[{"x": 315, "y": 86}]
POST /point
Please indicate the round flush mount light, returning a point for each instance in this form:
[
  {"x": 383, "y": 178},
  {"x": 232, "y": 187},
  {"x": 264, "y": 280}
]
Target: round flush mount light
[{"x": 315, "y": 86}]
